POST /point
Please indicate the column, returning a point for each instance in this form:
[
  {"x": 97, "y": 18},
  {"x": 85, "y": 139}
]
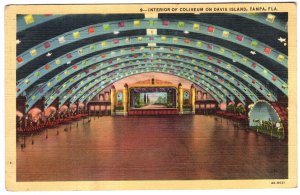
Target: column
[
  {"x": 125, "y": 99},
  {"x": 193, "y": 98},
  {"x": 180, "y": 98},
  {"x": 112, "y": 100}
]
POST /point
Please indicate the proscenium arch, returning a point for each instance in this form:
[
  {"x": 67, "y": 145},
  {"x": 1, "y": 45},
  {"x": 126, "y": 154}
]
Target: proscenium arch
[
  {"x": 110, "y": 27},
  {"x": 227, "y": 53},
  {"x": 214, "y": 59}
]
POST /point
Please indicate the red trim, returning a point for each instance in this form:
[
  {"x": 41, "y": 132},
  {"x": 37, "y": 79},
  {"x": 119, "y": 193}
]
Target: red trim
[{"x": 167, "y": 111}]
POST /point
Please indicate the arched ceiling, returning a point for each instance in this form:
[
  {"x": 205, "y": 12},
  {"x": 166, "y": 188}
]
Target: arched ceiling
[{"x": 240, "y": 57}]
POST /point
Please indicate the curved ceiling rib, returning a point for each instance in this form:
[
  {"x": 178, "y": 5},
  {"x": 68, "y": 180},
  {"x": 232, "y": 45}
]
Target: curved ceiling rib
[
  {"x": 28, "y": 81},
  {"x": 25, "y": 23}
]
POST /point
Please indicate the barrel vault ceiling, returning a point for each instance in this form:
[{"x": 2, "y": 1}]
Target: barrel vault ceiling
[{"x": 236, "y": 57}]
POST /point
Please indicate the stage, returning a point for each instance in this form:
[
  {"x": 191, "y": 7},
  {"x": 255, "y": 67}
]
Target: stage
[{"x": 154, "y": 111}]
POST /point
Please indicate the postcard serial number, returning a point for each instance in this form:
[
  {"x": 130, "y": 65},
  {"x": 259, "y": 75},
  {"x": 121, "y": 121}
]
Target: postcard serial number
[{"x": 278, "y": 182}]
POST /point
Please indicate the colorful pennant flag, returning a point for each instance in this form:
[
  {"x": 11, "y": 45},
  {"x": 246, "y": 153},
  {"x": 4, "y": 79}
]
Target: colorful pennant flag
[
  {"x": 165, "y": 22},
  {"x": 196, "y": 26},
  {"x": 239, "y": 38},
  {"x": 180, "y": 24},
  {"x": 37, "y": 74},
  {"x": 103, "y": 43},
  {"x": 76, "y": 35},
  {"x": 46, "y": 45},
  {"x": 270, "y": 18},
  {"x": 47, "y": 66},
  {"x": 58, "y": 61},
  {"x": 225, "y": 34},
  {"x": 106, "y": 27},
  {"x": 33, "y": 52},
  {"x": 91, "y": 30},
  {"x": 61, "y": 40},
  {"x": 121, "y": 24},
  {"x": 136, "y": 23},
  {"x": 267, "y": 50},
  {"x": 280, "y": 57},
  {"x": 151, "y": 23},
  {"x": 19, "y": 59},
  {"x": 210, "y": 29},
  {"x": 254, "y": 43},
  {"x": 29, "y": 19}
]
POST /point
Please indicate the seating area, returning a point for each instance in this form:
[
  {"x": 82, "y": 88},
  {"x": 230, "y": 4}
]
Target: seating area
[
  {"x": 34, "y": 128},
  {"x": 230, "y": 115},
  {"x": 282, "y": 112}
]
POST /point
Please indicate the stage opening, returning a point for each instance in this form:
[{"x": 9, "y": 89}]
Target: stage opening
[{"x": 152, "y": 98}]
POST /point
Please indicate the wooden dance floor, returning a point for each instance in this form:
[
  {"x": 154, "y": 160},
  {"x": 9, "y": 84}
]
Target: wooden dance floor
[{"x": 169, "y": 147}]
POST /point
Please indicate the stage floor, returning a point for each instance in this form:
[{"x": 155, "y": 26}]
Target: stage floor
[{"x": 151, "y": 148}]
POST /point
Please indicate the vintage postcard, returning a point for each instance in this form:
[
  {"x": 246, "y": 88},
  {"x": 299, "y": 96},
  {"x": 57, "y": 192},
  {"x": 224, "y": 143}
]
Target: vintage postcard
[{"x": 150, "y": 96}]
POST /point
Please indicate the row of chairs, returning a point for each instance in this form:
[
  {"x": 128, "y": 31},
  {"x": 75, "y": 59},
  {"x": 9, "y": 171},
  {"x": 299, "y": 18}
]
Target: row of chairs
[
  {"x": 232, "y": 116},
  {"x": 281, "y": 111},
  {"x": 153, "y": 112},
  {"x": 35, "y": 128}
]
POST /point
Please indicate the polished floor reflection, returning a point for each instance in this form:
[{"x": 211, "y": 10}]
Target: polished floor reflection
[{"x": 151, "y": 148}]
